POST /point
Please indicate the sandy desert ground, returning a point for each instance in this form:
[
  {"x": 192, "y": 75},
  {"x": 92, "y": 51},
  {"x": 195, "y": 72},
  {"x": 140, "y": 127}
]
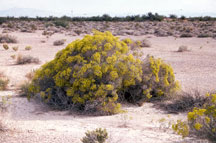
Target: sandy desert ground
[{"x": 33, "y": 122}]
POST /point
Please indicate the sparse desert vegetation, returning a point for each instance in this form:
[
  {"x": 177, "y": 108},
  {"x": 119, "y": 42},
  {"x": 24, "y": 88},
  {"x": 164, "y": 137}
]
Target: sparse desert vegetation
[
  {"x": 133, "y": 75},
  {"x": 22, "y": 59},
  {"x": 59, "y": 42},
  {"x": 7, "y": 39}
]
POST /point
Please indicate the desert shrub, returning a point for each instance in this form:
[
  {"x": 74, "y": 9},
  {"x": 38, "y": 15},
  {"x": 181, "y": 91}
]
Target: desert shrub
[
  {"x": 158, "y": 82},
  {"x": 182, "y": 49},
  {"x": 173, "y": 16},
  {"x": 5, "y": 46},
  {"x": 61, "y": 23},
  {"x": 59, "y": 42},
  {"x": 15, "y": 48},
  {"x": 3, "y": 81},
  {"x": 26, "y": 60},
  {"x": 28, "y": 48},
  {"x": 13, "y": 56},
  {"x": 4, "y": 103},
  {"x": 203, "y": 35},
  {"x": 183, "y": 102},
  {"x": 23, "y": 88},
  {"x": 186, "y": 35},
  {"x": 7, "y": 39},
  {"x": 95, "y": 73},
  {"x": 2, "y": 20},
  {"x": 201, "y": 121},
  {"x": 97, "y": 136},
  {"x": 145, "y": 43},
  {"x": 33, "y": 27}
]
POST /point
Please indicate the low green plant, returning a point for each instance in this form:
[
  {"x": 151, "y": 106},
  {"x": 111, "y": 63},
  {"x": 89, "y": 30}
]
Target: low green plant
[{"x": 97, "y": 136}]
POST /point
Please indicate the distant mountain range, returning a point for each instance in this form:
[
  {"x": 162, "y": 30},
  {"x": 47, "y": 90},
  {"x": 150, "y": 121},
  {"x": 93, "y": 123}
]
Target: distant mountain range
[{"x": 18, "y": 12}]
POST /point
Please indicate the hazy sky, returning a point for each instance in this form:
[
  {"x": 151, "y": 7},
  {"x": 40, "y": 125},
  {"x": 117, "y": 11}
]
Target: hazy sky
[{"x": 115, "y": 7}]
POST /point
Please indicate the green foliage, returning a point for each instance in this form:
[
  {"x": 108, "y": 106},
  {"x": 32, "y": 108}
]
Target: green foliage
[
  {"x": 201, "y": 121},
  {"x": 97, "y": 136},
  {"x": 61, "y": 23},
  {"x": 94, "y": 73}
]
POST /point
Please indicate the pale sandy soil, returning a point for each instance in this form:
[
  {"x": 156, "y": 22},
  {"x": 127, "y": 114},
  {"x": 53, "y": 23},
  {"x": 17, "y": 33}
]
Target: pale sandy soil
[{"x": 31, "y": 122}]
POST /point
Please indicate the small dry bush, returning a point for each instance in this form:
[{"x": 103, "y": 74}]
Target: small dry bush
[
  {"x": 28, "y": 48},
  {"x": 183, "y": 102},
  {"x": 13, "y": 57},
  {"x": 201, "y": 121},
  {"x": 21, "y": 59},
  {"x": 97, "y": 136},
  {"x": 183, "y": 49},
  {"x": 7, "y": 39},
  {"x": 4, "y": 103},
  {"x": 59, "y": 42},
  {"x": 186, "y": 35},
  {"x": 5, "y": 46},
  {"x": 15, "y": 48},
  {"x": 25, "y": 85},
  {"x": 204, "y": 35},
  {"x": 145, "y": 43},
  {"x": 3, "y": 81}
]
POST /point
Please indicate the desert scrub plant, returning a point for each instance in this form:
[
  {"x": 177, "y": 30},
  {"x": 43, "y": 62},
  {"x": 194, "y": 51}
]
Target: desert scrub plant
[
  {"x": 3, "y": 81},
  {"x": 26, "y": 60},
  {"x": 201, "y": 121},
  {"x": 97, "y": 136},
  {"x": 7, "y": 39},
  {"x": 183, "y": 102},
  {"x": 13, "y": 57},
  {"x": 15, "y": 48},
  {"x": 28, "y": 48},
  {"x": 61, "y": 23},
  {"x": 186, "y": 35},
  {"x": 23, "y": 88},
  {"x": 145, "y": 43},
  {"x": 182, "y": 49},
  {"x": 59, "y": 42},
  {"x": 95, "y": 73},
  {"x": 5, "y": 46},
  {"x": 4, "y": 103},
  {"x": 158, "y": 82}
]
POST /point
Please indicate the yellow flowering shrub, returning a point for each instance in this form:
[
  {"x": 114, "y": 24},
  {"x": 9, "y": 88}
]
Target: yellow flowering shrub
[
  {"x": 92, "y": 73},
  {"x": 157, "y": 81},
  {"x": 201, "y": 121}
]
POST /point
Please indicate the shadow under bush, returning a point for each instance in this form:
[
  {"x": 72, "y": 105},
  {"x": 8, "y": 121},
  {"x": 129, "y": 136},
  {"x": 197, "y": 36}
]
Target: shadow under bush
[{"x": 183, "y": 102}]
